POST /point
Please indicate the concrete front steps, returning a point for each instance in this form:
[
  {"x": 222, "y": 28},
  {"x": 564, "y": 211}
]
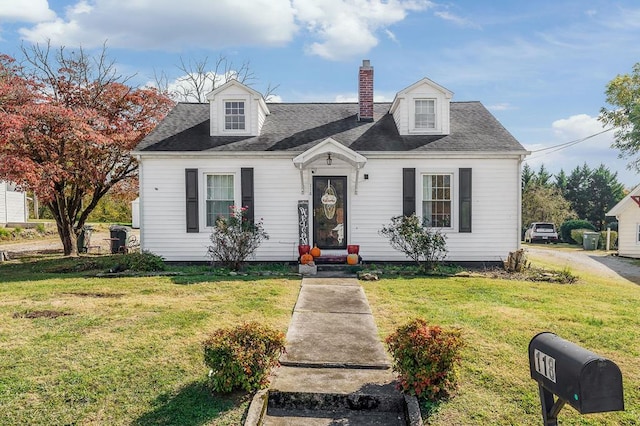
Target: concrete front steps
[
  {"x": 335, "y": 370},
  {"x": 333, "y": 396}
]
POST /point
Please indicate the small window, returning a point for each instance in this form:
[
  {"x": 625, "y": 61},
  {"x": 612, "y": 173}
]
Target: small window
[
  {"x": 436, "y": 200},
  {"x": 425, "y": 114},
  {"x": 220, "y": 197},
  {"x": 234, "y": 118}
]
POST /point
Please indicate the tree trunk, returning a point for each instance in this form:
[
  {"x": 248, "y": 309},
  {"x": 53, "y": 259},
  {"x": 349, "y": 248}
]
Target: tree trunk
[{"x": 66, "y": 230}]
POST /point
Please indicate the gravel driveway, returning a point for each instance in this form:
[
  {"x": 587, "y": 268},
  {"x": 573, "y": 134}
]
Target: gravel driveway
[{"x": 598, "y": 262}]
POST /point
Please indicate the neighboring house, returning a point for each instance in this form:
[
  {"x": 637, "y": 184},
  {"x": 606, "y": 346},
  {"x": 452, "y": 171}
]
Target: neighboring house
[
  {"x": 13, "y": 204},
  {"x": 627, "y": 212},
  {"x": 331, "y": 174}
]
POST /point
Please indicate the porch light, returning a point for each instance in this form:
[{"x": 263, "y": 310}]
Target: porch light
[{"x": 329, "y": 160}]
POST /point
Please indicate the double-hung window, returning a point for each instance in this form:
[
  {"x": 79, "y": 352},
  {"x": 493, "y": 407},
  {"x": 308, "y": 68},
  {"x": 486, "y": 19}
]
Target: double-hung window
[
  {"x": 220, "y": 197},
  {"x": 425, "y": 117},
  {"x": 436, "y": 200},
  {"x": 234, "y": 117}
]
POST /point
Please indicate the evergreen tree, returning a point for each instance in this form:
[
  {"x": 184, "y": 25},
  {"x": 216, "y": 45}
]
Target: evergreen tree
[
  {"x": 606, "y": 191},
  {"x": 528, "y": 176}
]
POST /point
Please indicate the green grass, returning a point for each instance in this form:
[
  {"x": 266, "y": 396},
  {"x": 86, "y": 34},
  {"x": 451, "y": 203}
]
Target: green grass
[
  {"x": 498, "y": 318},
  {"x": 129, "y": 349}
]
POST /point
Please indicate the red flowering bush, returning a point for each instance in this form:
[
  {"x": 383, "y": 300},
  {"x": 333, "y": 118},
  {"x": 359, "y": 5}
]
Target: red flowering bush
[
  {"x": 425, "y": 358},
  {"x": 242, "y": 357}
]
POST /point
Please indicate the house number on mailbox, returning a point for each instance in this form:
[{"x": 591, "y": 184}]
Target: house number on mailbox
[{"x": 545, "y": 365}]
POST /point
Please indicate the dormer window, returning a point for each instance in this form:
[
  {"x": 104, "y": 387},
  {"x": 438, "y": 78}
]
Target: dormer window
[
  {"x": 234, "y": 118},
  {"x": 425, "y": 113}
]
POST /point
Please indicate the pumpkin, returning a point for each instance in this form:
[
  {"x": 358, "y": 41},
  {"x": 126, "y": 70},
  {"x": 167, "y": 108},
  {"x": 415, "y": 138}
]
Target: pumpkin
[
  {"x": 315, "y": 251},
  {"x": 353, "y": 248},
  {"x": 352, "y": 259},
  {"x": 306, "y": 259}
]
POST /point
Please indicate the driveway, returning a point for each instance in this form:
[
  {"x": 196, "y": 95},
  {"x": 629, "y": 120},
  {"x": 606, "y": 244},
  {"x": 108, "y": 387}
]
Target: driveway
[{"x": 598, "y": 262}]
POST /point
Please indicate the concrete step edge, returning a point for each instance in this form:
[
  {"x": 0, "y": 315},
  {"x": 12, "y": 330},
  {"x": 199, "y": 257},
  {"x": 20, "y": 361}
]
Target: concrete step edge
[{"x": 354, "y": 366}]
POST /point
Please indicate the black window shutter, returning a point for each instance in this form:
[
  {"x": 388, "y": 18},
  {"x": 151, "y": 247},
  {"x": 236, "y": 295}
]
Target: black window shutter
[
  {"x": 191, "y": 189},
  {"x": 246, "y": 185},
  {"x": 465, "y": 200},
  {"x": 408, "y": 191}
]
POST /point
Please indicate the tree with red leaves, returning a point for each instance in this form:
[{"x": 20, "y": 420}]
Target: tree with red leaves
[{"x": 67, "y": 125}]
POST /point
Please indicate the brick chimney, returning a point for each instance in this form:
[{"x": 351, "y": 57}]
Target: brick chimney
[{"x": 365, "y": 92}]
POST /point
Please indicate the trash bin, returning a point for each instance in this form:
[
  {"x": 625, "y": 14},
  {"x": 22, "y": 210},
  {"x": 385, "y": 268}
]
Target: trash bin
[
  {"x": 590, "y": 240},
  {"x": 84, "y": 239},
  {"x": 119, "y": 235}
]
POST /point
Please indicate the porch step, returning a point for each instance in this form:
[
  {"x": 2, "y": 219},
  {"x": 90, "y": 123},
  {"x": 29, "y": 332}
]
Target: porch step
[{"x": 333, "y": 270}]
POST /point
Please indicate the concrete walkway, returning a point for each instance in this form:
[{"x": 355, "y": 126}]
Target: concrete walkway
[{"x": 335, "y": 370}]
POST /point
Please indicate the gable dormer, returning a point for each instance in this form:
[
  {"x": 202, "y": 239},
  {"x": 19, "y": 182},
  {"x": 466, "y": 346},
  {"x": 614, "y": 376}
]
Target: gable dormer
[
  {"x": 422, "y": 109},
  {"x": 236, "y": 110}
]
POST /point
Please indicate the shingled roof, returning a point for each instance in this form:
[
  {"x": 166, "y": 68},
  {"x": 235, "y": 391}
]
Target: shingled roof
[{"x": 299, "y": 126}]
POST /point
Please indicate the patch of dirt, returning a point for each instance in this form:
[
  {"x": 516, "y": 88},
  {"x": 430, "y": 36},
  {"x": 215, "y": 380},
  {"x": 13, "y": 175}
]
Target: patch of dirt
[
  {"x": 40, "y": 314},
  {"x": 96, "y": 294}
]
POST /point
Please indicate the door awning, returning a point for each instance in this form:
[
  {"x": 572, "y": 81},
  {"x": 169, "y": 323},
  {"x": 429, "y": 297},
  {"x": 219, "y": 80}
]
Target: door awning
[
  {"x": 326, "y": 147},
  {"x": 329, "y": 148}
]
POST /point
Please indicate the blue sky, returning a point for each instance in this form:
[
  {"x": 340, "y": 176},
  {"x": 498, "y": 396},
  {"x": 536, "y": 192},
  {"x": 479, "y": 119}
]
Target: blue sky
[{"x": 541, "y": 67}]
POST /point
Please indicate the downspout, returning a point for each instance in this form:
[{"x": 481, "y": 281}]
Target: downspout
[
  {"x": 301, "y": 180},
  {"x": 140, "y": 205},
  {"x": 520, "y": 201}
]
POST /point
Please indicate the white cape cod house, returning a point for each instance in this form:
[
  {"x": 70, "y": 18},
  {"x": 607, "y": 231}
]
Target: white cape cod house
[{"x": 331, "y": 174}]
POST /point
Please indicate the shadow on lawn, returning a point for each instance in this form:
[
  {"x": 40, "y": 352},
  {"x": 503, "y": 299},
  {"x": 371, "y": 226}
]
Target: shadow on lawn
[{"x": 193, "y": 405}]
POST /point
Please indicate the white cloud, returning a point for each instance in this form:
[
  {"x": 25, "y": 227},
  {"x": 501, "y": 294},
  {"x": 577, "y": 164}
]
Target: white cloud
[
  {"x": 504, "y": 106},
  {"x": 462, "y": 22},
  {"x": 577, "y": 127},
  {"x": 592, "y": 151},
  {"x": 348, "y": 28},
  {"x": 16, "y": 11},
  {"x": 164, "y": 25},
  {"x": 339, "y": 29}
]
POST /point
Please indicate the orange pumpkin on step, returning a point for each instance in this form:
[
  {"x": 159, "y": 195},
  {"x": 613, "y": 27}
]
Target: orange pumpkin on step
[
  {"x": 306, "y": 259},
  {"x": 352, "y": 259},
  {"x": 315, "y": 251}
]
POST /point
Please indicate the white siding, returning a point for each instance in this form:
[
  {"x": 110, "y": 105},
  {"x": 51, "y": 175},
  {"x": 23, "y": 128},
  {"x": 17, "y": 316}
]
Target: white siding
[
  {"x": 495, "y": 198},
  {"x": 628, "y": 222},
  {"x": 13, "y": 206}
]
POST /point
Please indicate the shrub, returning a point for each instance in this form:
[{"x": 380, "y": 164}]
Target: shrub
[
  {"x": 41, "y": 228},
  {"x": 143, "y": 262},
  {"x": 235, "y": 239},
  {"x": 242, "y": 357},
  {"x": 577, "y": 235},
  {"x": 602, "y": 242},
  {"x": 425, "y": 358},
  {"x": 411, "y": 236},
  {"x": 566, "y": 227}
]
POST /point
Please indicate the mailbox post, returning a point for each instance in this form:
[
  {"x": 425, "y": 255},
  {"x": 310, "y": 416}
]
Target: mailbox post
[{"x": 581, "y": 378}]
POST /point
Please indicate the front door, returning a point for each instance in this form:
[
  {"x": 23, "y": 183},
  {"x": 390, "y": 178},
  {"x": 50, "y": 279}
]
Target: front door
[{"x": 330, "y": 212}]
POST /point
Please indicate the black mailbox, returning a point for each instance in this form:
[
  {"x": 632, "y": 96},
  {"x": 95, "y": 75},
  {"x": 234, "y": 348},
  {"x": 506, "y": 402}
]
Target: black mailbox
[{"x": 585, "y": 380}]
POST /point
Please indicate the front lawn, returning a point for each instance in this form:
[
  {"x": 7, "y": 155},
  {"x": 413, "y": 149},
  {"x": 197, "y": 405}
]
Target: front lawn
[
  {"x": 76, "y": 349},
  {"x": 81, "y": 350},
  {"x": 498, "y": 318}
]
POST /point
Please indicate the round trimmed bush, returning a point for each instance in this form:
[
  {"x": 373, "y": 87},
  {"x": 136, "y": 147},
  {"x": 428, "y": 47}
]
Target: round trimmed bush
[
  {"x": 242, "y": 357},
  {"x": 425, "y": 358},
  {"x": 569, "y": 225}
]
